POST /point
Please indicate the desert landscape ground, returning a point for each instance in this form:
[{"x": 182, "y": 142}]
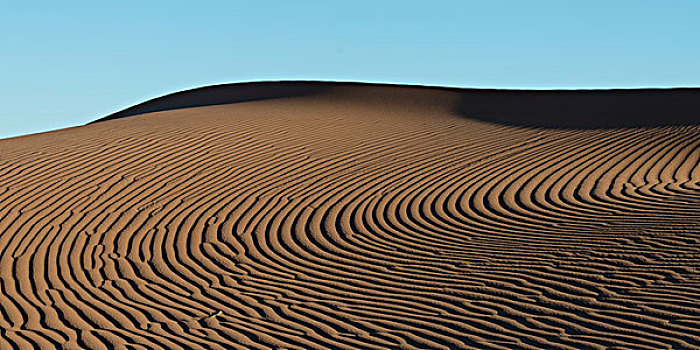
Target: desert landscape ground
[{"x": 307, "y": 215}]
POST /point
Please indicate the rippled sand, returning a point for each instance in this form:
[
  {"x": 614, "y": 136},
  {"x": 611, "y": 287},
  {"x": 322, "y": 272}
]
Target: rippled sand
[{"x": 346, "y": 216}]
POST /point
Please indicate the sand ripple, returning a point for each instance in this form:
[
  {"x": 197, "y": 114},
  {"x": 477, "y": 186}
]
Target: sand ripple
[{"x": 349, "y": 221}]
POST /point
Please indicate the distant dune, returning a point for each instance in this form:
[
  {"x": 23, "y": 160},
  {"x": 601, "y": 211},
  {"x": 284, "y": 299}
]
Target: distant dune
[{"x": 308, "y": 215}]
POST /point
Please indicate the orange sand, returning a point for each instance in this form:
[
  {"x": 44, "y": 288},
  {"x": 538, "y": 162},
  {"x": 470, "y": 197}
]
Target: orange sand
[{"x": 350, "y": 216}]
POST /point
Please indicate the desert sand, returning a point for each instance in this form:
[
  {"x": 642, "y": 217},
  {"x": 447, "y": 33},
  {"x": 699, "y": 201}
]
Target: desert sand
[{"x": 306, "y": 215}]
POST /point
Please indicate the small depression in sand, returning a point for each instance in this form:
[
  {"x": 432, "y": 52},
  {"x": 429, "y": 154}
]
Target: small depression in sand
[{"x": 352, "y": 216}]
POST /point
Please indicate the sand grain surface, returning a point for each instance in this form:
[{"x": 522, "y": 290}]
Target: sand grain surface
[{"x": 356, "y": 217}]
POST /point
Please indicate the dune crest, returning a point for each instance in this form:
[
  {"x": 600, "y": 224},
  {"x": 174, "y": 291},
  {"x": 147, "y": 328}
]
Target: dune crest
[
  {"x": 353, "y": 216},
  {"x": 567, "y": 109}
]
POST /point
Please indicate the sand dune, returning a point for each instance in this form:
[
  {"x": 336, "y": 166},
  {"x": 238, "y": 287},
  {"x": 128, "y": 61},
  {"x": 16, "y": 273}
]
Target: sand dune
[{"x": 351, "y": 216}]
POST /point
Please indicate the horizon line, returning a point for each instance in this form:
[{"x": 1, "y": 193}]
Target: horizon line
[{"x": 377, "y": 83}]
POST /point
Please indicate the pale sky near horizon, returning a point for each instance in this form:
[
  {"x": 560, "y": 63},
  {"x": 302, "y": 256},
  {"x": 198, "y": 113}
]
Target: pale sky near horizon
[{"x": 67, "y": 63}]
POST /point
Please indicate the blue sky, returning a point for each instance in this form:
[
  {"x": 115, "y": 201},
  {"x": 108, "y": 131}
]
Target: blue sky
[{"x": 67, "y": 63}]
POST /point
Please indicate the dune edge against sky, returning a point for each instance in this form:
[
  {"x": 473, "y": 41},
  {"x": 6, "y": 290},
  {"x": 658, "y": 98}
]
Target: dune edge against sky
[{"x": 359, "y": 216}]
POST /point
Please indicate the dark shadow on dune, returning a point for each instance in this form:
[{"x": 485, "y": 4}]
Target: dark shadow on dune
[
  {"x": 222, "y": 94},
  {"x": 584, "y": 109},
  {"x": 564, "y": 109}
]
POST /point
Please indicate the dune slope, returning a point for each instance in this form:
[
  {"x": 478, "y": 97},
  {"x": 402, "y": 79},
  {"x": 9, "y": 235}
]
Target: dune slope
[{"x": 349, "y": 216}]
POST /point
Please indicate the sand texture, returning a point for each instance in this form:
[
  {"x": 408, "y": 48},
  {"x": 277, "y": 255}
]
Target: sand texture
[{"x": 351, "y": 216}]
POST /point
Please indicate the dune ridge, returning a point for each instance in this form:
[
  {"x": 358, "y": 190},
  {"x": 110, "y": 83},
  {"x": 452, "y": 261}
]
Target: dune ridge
[
  {"x": 353, "y": 216},
  {"x": 582, "y": 109}
]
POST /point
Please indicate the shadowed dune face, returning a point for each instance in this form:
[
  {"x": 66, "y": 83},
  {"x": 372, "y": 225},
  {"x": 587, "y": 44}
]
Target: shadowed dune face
[
  {"x": 359, "y": 217},
  {"x": 222, "y": 94},
  {"x": 584, "y": 109},
  {"x": 565, "y": 109}
]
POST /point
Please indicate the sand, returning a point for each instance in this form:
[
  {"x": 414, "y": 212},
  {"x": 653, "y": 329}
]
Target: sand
[{"x": 352, "y": 216}]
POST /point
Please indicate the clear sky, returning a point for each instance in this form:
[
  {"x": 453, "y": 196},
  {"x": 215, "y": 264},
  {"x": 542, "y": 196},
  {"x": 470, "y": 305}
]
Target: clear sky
[{"x": 65, "y": 63}]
